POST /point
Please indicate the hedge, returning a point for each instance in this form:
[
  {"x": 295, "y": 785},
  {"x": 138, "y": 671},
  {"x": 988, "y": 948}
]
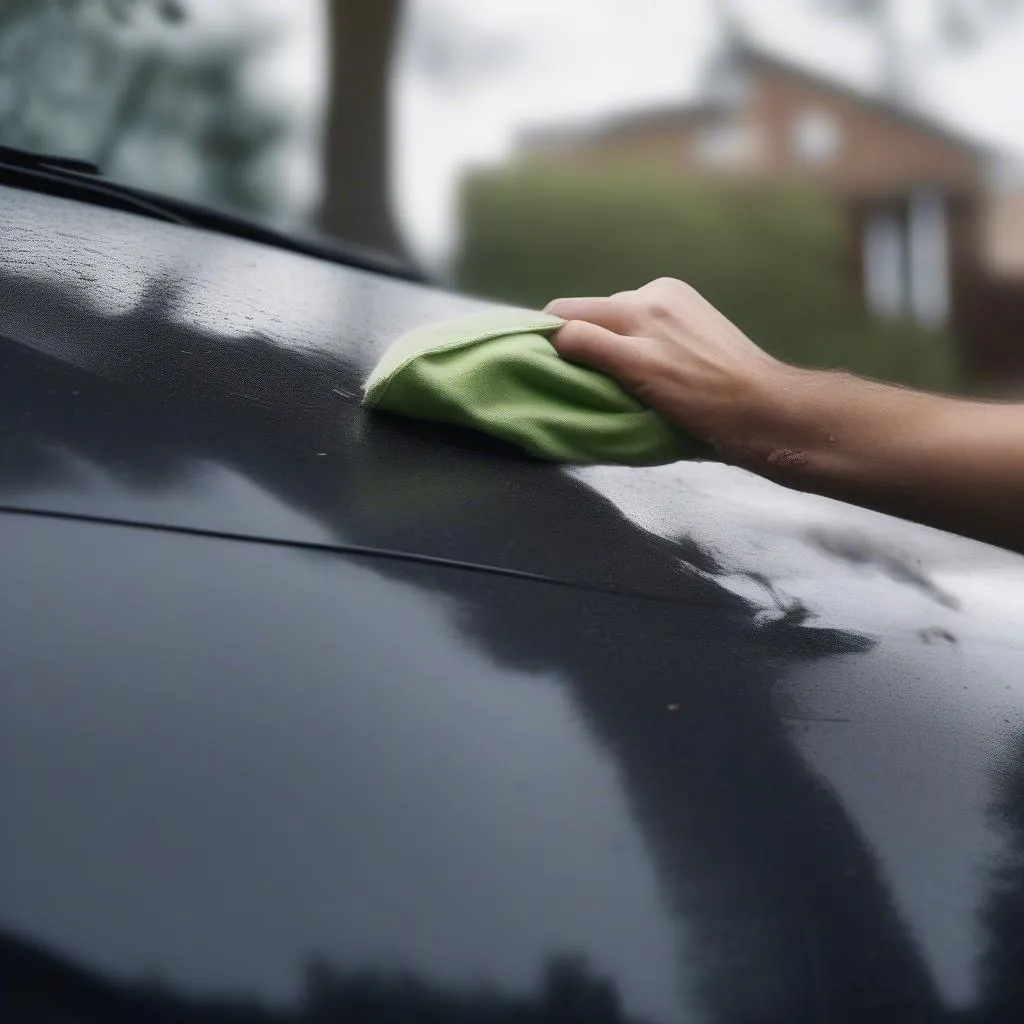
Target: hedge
[{"x": 771, "y": 260}]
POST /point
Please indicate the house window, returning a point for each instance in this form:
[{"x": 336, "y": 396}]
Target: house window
[
  {"x": 928, "y": 256},
  {"x": 885, "y": 262},
  {"x": 727, "y": 143},
  {"x": 907, "y": 261},
  {"x": 817, "y": 138}
]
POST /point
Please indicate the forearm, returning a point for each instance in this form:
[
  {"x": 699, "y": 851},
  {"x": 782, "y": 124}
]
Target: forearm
[
  {"x": 955, "y": 464},
  {"x": 951, "y": 463}
]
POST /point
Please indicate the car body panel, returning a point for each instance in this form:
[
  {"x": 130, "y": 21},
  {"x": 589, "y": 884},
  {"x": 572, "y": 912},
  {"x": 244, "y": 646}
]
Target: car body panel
[{"x": 285, "y": 679}]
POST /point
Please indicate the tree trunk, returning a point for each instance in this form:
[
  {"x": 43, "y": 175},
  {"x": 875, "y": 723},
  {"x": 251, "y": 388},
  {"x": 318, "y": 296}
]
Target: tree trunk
[{"x": 356, "y": 203}]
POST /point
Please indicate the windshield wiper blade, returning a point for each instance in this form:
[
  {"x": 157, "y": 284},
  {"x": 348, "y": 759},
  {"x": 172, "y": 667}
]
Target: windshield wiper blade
[
  {"x": 70, "y": 178},
  {"x": 41, "y": 161}
]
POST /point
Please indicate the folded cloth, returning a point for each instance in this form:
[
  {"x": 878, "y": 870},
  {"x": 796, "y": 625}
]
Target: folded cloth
[{"x": 498, "y": 372}]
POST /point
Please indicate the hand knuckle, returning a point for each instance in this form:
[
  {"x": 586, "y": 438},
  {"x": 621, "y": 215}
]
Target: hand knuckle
[
  {"x": 659, "y": 309},
  {"x": 671, "y": 286}
]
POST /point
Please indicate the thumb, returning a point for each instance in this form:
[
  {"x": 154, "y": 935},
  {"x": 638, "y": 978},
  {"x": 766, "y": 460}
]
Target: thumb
[{"x": 597, "y": 347}]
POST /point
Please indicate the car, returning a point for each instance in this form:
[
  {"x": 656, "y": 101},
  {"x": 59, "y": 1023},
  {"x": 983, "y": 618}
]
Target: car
[{"x": 311, "y": 713}]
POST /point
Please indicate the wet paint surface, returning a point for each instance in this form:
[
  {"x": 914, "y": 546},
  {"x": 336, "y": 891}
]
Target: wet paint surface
[{"x": 748, "y": 756}]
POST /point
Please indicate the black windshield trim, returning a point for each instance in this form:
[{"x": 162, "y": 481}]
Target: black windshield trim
[{"x": 74, "y": 179}]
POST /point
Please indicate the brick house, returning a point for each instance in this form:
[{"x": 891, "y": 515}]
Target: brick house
[{"x": 930, "y": 238}]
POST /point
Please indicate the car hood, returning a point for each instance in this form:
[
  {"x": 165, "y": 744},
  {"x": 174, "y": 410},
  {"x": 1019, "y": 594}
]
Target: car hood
[
  {"x": 176, "y": 378},
  {"x": 178, "y": 381}
]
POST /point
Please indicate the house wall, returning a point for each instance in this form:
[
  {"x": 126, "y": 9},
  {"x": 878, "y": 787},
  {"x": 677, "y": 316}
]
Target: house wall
[
  {"x": 1003, "y": 229},
  {"x": 878, "y": 153},
  {"x": 665, "y": 142}
]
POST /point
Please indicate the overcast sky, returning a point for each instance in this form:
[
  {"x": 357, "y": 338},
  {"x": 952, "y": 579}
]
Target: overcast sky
[{"x": 549, "y": 61}]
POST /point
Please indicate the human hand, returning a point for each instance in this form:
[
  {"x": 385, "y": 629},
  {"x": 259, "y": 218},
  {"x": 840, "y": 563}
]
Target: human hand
[
  {"x": 673, "y": 350},
  {"x": 952, "y": 463}
]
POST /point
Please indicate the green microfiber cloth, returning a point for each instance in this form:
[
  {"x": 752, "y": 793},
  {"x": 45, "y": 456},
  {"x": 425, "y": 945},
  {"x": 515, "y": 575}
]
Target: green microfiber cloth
[{"x": 499, "y": 373}]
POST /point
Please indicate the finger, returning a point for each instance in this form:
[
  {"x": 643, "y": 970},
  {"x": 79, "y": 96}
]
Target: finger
[
  {"x": 597, "y": 347},
  {"x": 613, "y": 314},
  {"x": 667, "y": 286},
  {"x": 668, "y": 296}
]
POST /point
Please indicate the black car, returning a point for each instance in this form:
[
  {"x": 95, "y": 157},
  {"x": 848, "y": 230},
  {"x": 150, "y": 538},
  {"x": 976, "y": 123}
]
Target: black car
[{"x": 311, "y": 714}]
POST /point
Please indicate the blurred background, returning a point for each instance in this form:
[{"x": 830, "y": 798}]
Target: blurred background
[{"x": 844, "y": 178}]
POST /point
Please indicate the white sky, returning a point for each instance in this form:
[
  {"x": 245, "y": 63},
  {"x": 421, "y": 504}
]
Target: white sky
[{"x": 561, "y": 60}]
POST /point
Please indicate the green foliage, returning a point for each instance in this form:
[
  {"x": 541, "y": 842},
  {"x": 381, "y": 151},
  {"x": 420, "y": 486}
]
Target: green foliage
[
  {"x": 137, "y": 87},
  {"x": 773, "y": 261}
]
